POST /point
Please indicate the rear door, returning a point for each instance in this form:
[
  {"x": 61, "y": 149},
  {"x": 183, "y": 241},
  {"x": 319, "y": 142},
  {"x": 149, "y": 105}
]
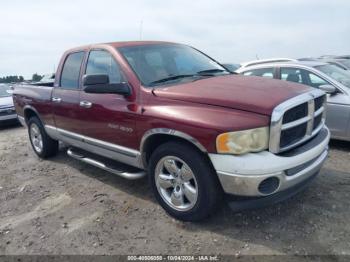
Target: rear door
[
  {"x": 107, "y": 117},
  {"x": 65, "y": 96}
]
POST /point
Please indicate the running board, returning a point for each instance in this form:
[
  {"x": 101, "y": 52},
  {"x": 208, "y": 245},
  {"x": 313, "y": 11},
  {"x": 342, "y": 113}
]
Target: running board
[{"x": 106, "y": 164}]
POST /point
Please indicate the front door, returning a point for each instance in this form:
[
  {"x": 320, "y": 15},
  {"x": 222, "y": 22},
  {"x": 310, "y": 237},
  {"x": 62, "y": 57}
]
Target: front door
[
  {"x": 338, "y": 115},
  {"x": 107, "y": 117}
]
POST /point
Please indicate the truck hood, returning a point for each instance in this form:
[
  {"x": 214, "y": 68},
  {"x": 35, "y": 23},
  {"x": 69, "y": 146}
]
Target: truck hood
[
  {"x": 6, "y": 101},
  {"x": 254, "y": 94}
]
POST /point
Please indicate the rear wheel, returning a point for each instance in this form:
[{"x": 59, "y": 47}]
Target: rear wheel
[
  {"x": 183, "y": 182},
  {"x": 43, "y": 145}
]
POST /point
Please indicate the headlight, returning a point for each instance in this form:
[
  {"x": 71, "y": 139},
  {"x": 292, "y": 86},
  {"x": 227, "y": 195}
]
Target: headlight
[{"x": 241, "y": 142}]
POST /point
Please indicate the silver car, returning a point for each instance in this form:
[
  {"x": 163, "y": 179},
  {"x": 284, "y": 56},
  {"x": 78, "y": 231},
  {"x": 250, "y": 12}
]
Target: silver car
[
  {"x": 342, "y": 63},
  {"x": 7, "y": 109},
  {"x": 329, "y": 78}
]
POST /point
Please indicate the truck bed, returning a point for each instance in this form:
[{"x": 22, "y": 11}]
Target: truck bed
[{"x": 36, "y": 95}]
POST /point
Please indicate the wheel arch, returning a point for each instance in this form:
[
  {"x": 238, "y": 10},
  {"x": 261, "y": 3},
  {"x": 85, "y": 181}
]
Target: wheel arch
[
  {"x": 158, "y": 136},
  {"x": 29, "y": 112}
]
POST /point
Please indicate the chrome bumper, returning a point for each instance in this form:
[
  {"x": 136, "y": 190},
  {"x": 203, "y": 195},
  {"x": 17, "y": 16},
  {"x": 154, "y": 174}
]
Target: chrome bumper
[
  {"x": 22, "y": 121},
  {"x": 264, "y": 173},
  {"x": 8, "y": 117}
]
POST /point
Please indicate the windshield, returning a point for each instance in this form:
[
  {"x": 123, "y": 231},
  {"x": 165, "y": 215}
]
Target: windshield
[
  {"x": 5, "y": 91},
  {"x": 336, "y": 73},
  {"x": 164, "y": 63}
]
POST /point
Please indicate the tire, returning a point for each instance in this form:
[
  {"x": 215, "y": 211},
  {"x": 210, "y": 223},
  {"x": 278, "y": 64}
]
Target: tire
[
  {"x": 43, "y": 145},
  {"x": 183, "y": 197}
]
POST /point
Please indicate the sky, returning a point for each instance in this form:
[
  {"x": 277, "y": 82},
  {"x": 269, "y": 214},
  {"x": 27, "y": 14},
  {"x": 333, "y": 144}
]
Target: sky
[{"x": 34, "y": 34}]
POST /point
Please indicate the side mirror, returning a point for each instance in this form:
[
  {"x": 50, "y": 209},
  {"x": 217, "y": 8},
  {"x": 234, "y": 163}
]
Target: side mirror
[
  {"x": 89, "y": 80},
  {"x": 329, "y": 89},
  {"x": 99, "y": 84}
]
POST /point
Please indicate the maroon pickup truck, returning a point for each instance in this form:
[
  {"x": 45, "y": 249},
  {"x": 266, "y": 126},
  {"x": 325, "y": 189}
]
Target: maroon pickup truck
[{"x": 169, "y": 111}]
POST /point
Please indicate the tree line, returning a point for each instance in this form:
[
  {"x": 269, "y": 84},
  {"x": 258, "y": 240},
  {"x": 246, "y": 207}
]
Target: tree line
[{"x": 17, "y": 79}]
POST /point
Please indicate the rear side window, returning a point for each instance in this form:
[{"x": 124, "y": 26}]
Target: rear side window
[
  {"x": 102, "y": 62},
  {"x": 71, "y": 71},
  {"x": 264, "y": 72}
]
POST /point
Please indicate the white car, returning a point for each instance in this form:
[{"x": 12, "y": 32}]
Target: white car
[{"x": 7, "y": 108}]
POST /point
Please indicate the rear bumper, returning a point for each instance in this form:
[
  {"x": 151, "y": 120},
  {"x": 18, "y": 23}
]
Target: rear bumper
[{"x": 262, "y": 174}]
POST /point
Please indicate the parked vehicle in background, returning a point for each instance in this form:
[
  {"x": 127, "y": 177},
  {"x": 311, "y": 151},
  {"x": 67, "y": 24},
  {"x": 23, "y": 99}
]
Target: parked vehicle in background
[
  {"x": 320, "y": 75},
  {"x": 343, "y": 56},
  {"x": 231, "y": 67},
  {"x": 340, "y": 62},
  {"x": 196, "y": 128},
  {"x": 264, "y": 61},
  {"x": 48, "y": 78},
  {"x": 7, "y": 109},
  {"x": 335, "y": 56},
  {"x": 308, "y": 59}
]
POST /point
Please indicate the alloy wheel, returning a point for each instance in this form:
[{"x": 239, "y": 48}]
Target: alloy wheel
[{"x": 176, "y": 183}]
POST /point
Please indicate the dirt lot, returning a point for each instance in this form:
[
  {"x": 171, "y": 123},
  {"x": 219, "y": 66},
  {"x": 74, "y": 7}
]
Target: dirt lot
[{"x": 62, "y": 206}]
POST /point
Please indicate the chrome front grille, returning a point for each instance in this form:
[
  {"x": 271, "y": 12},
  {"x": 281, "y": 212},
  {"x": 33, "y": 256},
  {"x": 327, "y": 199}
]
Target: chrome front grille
[{"x": 297, "y": 120}]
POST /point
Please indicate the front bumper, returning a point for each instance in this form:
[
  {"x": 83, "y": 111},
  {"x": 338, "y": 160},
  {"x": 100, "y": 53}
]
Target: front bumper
[
  {"x": 264, "y": 173},
  {"x": 22, "y": 120},
  {"x": 8, "y": 117}
]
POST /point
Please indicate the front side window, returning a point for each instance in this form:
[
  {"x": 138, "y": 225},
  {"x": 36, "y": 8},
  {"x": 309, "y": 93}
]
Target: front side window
[
  {"x": 316, "y": 81},
  {"x": 168, "y": 63},
  {"x": 71, "y": 71},
  {"x": 102, "y": 62},
  {"x": 292, "y": 75},
  {"x": 264, "y": 72}
]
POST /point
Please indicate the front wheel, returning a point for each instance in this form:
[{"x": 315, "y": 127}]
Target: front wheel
[
  {"x": 43, "y": 145},
  {"x": 183, "y": 182}
]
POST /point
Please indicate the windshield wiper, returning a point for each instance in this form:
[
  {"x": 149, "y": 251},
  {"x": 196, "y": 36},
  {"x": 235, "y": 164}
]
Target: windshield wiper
[
  {"x": 211, "y": 71},
  {"x": 170, "y": 78},
  {"x": 208, "y": 72}
]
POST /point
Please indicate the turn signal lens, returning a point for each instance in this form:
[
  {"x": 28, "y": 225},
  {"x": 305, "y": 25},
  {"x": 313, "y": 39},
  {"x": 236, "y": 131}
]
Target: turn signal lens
[{"x": 241, "y": 142}]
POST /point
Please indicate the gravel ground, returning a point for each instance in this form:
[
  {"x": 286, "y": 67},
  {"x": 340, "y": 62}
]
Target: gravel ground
[{"x": 62, "y": 206}]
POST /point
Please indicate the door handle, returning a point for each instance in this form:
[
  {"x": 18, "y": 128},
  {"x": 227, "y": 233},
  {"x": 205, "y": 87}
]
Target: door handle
[
  {"x": 85, "y": 104},
  {"x": 56, "y": 99}
]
